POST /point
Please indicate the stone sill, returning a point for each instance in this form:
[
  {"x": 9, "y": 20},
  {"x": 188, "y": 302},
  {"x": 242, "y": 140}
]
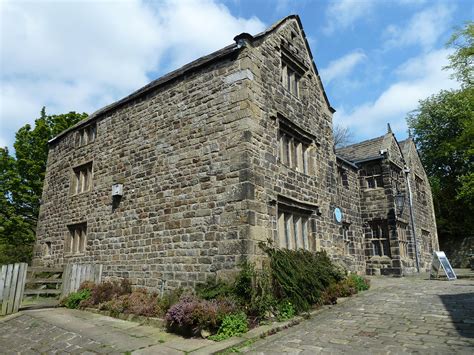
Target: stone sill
[{"x": 71, "y": 255}]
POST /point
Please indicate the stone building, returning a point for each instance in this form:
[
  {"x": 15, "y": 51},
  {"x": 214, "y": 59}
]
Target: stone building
[{"x": 229, "y": 150}]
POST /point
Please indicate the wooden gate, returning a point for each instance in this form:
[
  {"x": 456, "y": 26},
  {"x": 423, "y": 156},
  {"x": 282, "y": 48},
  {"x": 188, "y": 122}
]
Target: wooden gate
[
  {"x": 75, "y": 274},
  {"x": 12, "y": 285}
]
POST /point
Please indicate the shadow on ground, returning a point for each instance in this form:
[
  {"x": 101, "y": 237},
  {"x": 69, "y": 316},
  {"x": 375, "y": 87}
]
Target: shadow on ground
[{"x": 461, "y": 310}]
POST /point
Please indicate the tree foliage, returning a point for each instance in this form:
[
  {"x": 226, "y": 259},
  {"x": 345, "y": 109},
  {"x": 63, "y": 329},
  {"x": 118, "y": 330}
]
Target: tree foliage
[
  {"x": 21, "y": 183},
  {"x": 443, "y": 129},
  {"x": 462, "y": 60}
]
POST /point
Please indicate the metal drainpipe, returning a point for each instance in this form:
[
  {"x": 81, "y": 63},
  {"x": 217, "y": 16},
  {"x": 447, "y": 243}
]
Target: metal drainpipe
[{"x": 412, "y": 218}]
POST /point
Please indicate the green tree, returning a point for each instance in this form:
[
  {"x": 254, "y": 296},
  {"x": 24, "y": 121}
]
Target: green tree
[
  {"x": 21, "y": 183},
  {"x": 462, "y": 60},
  {"x": 443, "y": 129}
]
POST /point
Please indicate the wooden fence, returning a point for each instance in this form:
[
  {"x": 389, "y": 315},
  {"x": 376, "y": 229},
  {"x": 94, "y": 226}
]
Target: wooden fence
[
  {"x": 75, "y": 274},
  {"x": 12, "y": 285}
]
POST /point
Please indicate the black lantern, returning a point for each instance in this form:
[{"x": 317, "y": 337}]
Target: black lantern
[{"x": 400, "y": 202}]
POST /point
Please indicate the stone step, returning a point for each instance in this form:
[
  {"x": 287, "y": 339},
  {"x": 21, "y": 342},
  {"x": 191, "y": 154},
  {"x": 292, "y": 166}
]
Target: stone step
[
  {"x": 43, "y": 291},
  {"x": 44, "y": 281},
  {"x": 45, "y": 269}
]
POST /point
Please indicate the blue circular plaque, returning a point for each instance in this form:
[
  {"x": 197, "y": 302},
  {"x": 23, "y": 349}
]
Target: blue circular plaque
[{"x": 338, "y": 215}]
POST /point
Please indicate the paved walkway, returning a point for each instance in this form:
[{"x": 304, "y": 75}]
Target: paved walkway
[
  {"x": 65, "y": 331},
  {"x": 407, "y": 315}
]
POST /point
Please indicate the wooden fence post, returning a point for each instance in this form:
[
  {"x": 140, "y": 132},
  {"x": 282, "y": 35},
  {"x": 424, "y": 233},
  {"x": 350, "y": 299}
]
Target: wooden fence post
[
  {"x": 12, "y": 286},
  {"x": 75, "y": 274}
]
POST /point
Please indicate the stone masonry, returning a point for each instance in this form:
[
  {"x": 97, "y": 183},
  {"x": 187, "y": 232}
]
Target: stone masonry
[{"x": 230, "y": 150}]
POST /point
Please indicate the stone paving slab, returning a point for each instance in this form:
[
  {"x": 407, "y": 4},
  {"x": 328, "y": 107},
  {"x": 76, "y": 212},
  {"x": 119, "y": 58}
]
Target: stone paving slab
[
  {"x": 62, "y": 330},
  {"x": 397, "y": 316}
]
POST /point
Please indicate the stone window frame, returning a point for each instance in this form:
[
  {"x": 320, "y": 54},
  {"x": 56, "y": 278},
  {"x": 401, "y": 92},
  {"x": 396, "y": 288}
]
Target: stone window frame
[
  {"x": 403, "y": 239},
  {"x": 76, "y": 239},
  {"x": 342, "y": 177},
  {"x": 346, "y": 232},
  {"x": 292, "y": 71},
  {"x": 420, "y": 190},
  {"x": 380, "y": 238},
  {"x": 396, "y": 176},
  {"x": 373, "y": 176},
  {"x": 85, "y": 135},
  {"x": 294, "y": 224},
  {"x": 81, "y": 178},
  {"x": 294, "y": 146},
  {"x": 427, "y": 241}
]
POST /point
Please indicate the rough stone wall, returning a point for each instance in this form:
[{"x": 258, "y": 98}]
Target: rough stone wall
[
  {"x": 270, "y": 177},
  {"x": 425, "y": 221},
  {"x": 379, "y": 204},
  {"x": 181, "y": 155},
  {"x": 347, "y": 199}
]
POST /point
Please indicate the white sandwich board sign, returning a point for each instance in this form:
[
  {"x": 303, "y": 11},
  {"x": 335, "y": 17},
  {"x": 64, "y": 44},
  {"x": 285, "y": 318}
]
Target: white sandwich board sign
[{"x": 440, "y": 261}]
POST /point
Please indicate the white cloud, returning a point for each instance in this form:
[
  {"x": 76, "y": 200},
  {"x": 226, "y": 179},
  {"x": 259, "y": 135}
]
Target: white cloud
[
  {"x": 343, "y": 66},
  {"x": 81, "y": 56},
  {"x": 424, "y": 28},
  {"x": 341, "y": 14},
  {"x": 419, "y": 78}
]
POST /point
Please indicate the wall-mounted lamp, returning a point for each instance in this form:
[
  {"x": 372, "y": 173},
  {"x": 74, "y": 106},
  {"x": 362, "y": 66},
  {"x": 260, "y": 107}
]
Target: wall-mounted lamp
[{"x": 400, "y": 202}]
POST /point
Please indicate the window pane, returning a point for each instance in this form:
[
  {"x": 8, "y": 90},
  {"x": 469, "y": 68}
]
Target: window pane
[
  {"x": 305, "y": 233},
  {"x": 289, "y": 231},
  {"x": 281, "y": 230},
  {"x": 305, "y": 159}
]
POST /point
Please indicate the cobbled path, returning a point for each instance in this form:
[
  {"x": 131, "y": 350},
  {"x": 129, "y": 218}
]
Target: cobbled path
[{"x": 397, "y": 316}]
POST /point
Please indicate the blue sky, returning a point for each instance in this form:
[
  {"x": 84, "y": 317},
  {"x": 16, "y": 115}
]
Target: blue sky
[{"x": 376, "y": 58}]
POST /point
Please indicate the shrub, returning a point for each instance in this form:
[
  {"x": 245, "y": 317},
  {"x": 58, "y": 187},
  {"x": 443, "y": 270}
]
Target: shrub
[
  {"x": 253, "y": 288},
  {"x": 116, "y": 305},
  {"x": 214, "y": 289},
  {"x": 106, "y": 291},
  {"x": 139, "y": 302},
  {"x": 143, "y": 303},
  {"x": 191, "y": 315},
  {"x": 74, "y": 299},
  {"x": 87, "y": 285},
  {"x": 233, "y": 324},
  {"x": 301, "y": 276},
  {"x": 168, "y": 299},
  {"x": 358, "y": 282},
  {"x": 285, "y": 311}
]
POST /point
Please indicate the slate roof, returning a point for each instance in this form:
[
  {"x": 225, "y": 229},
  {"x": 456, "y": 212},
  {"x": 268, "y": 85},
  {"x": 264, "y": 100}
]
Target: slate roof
[
  {"x": 198, "y": 63},
  {"x": 404, "y": 146},
  {"x": 366, "y": 150}
]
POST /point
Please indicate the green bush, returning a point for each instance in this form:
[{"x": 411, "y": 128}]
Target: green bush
[
  {"x": 253, "y": 288},
  {"x": 358, "y": 282},
  {"x": 300, "y": 276},
  {"x": 169, "y": 298},
  {"x": 74, "y": 299},
  {"x": 285, "y": 311},
  {"x": 233, "y": 324},
  {"x": 214, "y": 289}
]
